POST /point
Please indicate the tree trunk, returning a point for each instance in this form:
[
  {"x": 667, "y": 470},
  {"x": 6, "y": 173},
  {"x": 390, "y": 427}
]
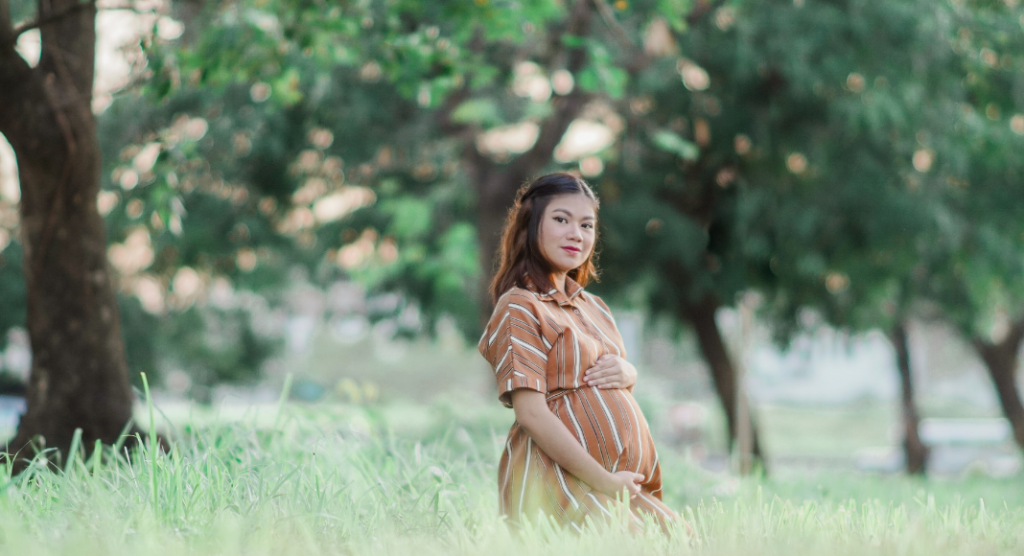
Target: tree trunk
[
  {"x": 915, "y": 450},
  {"x": 702, "y": 316},
  {"x": 495, "y": 193},
  {"x": 1001, "y": 361},
  {"x": 79, "y": 377}
]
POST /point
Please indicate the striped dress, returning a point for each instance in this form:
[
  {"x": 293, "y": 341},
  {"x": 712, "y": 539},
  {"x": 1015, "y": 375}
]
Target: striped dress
[{"x": 545, "y": 342}]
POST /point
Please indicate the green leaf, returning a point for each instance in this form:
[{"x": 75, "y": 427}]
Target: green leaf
[
  {"x": 411, "y": 217},
  {"x": 670, "y": 141},
  {"x": 482, "y": 111}
]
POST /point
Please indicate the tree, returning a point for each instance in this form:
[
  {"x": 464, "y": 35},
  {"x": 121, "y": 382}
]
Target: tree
[
  {"x": 792, "y": 159},
  {"x": 887, "y": 229},
  {"x": 462, "y": 64},
  {"x": 79, "y": 377},
  {"x": 973, "y": 263}
]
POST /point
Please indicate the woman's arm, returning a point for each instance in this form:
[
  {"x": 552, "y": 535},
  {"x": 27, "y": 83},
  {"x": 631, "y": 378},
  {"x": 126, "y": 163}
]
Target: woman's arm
[{"x": 554, "y": 438}]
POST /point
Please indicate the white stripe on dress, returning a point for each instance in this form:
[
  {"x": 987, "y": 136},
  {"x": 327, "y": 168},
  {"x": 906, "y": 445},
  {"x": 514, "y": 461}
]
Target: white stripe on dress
[
  {"x": 611, "y": 422},
  {"x": 599, "y": 504},
  {"x": 523, "y": 309},
  {"x": 639, "y": 433},
  {"x": 576, "y": 361},
  {"x": 656, "y": 506},
  {"x": 526, "y": 472},
  {"x": 509, "y": 470},
  {"x": 579, "y": 333},
  {"x": 501, "y": 362},
  {"x": 528, "y": 347},
  {"x": 599, "y": 308},
  {"x": 576, "y": 425},
  {"x": 600, "y": 331},
  {"x": 565, "y": 487},
  {"x": 494, "y": 335}
]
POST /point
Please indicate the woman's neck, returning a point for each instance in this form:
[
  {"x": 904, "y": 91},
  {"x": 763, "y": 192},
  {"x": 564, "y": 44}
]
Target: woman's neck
[{"x": 559, "y": 281}]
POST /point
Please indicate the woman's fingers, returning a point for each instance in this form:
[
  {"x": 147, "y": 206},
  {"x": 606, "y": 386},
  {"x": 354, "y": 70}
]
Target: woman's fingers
[
  {"x": 607, "y": 372},
  {"x": 613, "y": 378},
  {"x": 634, "y": 486},
  {"x": 596, "y": 374},
  {"x": 606, "y": 383},
  {"x": 605, "y": 365},
  {"x": 601, "y": 364}
]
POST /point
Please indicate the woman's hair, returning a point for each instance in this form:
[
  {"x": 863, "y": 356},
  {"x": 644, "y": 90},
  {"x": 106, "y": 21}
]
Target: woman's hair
[{"x": 521, "y": 257}]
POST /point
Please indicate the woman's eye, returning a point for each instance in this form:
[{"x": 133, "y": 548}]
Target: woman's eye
[
  {"x": 588, "y": 225},
  {"x": 560, "y": 220}
]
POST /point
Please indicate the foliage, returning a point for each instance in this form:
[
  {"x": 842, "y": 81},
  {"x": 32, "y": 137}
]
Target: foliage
[
  {"x": 771, "y": 146},
  {"x": 829, "y": 176}
]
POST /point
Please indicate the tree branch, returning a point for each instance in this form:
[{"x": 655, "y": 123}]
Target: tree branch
[
  {"x": 1014, "y": 337},
  {"x": 990, "y": 352},
  {"x": 609, "y": 19}
]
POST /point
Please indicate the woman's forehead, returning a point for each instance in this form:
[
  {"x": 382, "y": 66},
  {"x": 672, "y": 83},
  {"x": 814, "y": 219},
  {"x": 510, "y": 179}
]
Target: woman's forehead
[{"x": 575, "y": 204}]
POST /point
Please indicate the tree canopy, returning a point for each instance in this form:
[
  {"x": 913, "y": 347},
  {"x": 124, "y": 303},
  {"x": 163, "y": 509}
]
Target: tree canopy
[{"x": 851, "y": 157}]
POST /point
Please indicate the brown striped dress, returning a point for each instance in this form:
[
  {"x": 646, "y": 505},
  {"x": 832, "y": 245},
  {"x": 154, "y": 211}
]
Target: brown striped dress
[{"x": 545, "y": 342}]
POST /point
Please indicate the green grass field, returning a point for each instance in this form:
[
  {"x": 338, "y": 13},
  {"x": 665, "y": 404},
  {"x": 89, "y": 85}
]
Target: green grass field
[{"x": 333, "y": 479}]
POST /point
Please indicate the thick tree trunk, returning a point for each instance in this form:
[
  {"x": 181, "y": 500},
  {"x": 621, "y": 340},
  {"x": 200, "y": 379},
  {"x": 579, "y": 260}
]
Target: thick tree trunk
[
  {"x": 496, "y": 193},
  {"x": 1001, "y": 361},
  {"x": 915, "y": 450},
  {"x": 702, "y": 316},
  {"x": 79, "y": 377}
]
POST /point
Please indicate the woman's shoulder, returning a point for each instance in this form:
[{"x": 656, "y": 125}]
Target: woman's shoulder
[
  {"x": 591, "y": 298},
  {"x": 517, "y": 294},
  {"x": 519, "y": 300}
]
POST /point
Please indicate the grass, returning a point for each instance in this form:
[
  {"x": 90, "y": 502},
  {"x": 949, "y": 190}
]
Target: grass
[{"x": 344, "y": 480}]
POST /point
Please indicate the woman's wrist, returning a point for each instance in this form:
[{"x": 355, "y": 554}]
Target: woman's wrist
[{"x": 606, "y": 483}]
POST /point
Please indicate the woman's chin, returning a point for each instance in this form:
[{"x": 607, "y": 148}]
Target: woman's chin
[{"x": 566, "y": 267}]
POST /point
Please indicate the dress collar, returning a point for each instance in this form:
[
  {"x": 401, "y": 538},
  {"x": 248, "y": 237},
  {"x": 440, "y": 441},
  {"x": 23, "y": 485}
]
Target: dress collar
[{"x": 553, "y": 294}]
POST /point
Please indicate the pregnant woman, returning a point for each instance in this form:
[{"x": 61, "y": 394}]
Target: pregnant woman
[{"x": 580, "y": 442}]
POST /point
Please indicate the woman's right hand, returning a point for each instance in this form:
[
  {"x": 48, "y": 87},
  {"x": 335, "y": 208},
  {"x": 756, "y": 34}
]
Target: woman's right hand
[{"x": 623, "y": 480}]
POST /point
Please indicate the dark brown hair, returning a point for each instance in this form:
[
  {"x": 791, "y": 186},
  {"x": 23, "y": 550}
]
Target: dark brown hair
[{"x": 521, "y": 257}]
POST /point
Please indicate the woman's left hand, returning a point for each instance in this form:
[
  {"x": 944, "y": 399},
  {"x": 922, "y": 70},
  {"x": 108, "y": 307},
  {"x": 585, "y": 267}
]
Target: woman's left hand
[{"x": 610, "y": 371}]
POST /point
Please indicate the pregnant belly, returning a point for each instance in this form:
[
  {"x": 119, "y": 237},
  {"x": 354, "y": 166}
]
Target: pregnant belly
[{"x": 610, "y": 425}]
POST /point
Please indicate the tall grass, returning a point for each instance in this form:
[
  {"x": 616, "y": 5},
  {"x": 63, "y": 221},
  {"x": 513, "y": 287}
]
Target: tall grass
[{"x": 314, "y": 484}]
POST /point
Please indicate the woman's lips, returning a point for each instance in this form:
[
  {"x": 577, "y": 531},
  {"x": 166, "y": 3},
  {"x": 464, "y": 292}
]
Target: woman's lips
[{"x": 572, "y": 250}]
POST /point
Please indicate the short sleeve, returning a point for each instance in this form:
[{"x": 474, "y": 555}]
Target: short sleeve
[{"x": 514, "y": 344}]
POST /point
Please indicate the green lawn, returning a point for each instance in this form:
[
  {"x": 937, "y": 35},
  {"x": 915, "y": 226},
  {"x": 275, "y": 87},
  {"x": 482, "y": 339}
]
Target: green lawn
[{"x": 334, "y": 479}]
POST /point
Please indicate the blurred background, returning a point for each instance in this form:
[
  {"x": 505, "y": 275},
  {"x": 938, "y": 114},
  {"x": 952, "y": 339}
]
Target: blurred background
[{"x": 812, "y": 211}]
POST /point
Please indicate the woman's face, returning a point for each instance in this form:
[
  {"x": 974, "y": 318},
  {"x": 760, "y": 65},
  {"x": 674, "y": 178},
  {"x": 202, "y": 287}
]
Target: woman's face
[{"x": 567, "y": 232}]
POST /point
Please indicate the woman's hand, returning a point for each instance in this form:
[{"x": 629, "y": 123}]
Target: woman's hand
[
  {"x": 622, "y": 480},
  {"x": 610, "y": 371}
]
